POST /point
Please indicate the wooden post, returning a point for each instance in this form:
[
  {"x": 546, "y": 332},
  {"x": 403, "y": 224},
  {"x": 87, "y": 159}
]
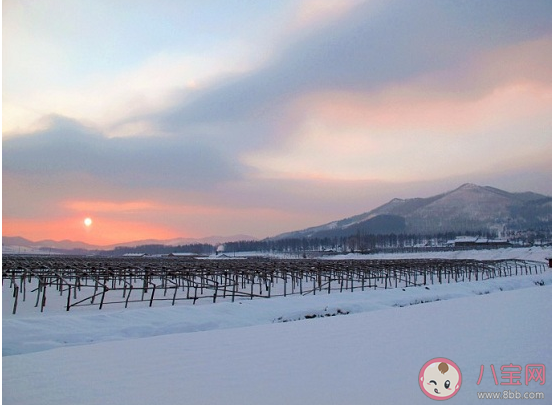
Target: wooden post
[
  {"x": 235, "y": 286},
  {"x": 68, "y": 297},
  {"x": 252, "y": 284},
  {"x": 15, "y": 295},
  {"x": 95, "y": 291},
  {"x": 152, "y": 295},
  {"x": 215, "y": 294},
  {"x": 43, "y": 303},
  {"x": 103, "y": 296},
  {"x": 23, "y": 287},
  {"x": 174, "y": 295},
  {"x": 38, "y": 291}
]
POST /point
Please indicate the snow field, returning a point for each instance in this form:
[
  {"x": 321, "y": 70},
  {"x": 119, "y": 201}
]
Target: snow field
[
  {"x": 36, "y": 332},
  {"x": 267, "y": 352},
  {"x": 371, "y": 357},
  {"x": 532, "y": 253}
]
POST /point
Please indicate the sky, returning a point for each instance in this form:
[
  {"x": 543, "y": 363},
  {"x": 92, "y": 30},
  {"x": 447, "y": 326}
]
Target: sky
[{"x": 166, "y": 119}]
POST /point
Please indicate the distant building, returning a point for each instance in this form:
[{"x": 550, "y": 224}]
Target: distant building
[
  {"x": 478, "y": 242},
  {"x": 176, "y": 254}
]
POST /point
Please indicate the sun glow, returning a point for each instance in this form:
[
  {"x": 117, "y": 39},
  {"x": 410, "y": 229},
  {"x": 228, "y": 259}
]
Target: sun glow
[{"x": 87, "y": 222}]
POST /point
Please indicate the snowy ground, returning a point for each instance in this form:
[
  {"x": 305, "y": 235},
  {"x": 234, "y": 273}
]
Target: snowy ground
[
  {"x": 248, "y": 352},
  {"x": 529, "y": 253},
  {"x": 532, "y": 253}
]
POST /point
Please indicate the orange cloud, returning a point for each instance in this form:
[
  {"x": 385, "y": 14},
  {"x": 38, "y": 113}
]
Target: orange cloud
[
  {"x": 108, "y": 206},
  {"x": 509, "y": 83},
  {"x": 311, "y": 13},
  {"x": 400, "y": 136},
  {"x": 511, "y": 102},
  {"x": 423, "y": 127}
]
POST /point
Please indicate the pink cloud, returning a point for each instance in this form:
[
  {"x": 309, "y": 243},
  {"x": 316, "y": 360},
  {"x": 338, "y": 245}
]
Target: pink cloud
[
  {"x": 108, "y": 206},
  {"x": 422, "y": 128},
  {"x": 509, "y": 83}
]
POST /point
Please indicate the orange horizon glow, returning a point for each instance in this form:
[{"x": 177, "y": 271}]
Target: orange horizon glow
[
  {"x": 102, "y": 232},
  {"x": 108, "y": 229}
]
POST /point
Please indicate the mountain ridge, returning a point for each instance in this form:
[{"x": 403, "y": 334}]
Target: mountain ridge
[
  {"x": 67, "y": 244},
  {"x": 468, "y": 208}
]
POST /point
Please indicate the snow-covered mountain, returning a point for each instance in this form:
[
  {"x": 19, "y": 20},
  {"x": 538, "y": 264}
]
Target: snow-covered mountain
[{"x": 468, "y": 208}]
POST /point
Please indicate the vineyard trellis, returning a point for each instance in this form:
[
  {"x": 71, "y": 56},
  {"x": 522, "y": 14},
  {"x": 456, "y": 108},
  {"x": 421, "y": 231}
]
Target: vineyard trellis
[{"x": 101, "y": 281}]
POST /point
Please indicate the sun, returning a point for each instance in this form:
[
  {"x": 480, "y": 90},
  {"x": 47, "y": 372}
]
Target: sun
[{"x": 87, "y": 222}]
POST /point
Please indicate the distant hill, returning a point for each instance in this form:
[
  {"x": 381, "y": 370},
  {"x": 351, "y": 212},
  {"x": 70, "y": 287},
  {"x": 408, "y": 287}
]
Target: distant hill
[
  {"x": 15, "y": 242},
  {"x": 46, "y": 243},
  {"x": 469, "y": 208}
]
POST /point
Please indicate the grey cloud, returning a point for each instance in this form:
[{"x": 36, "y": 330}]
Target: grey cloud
[
  {"x": 68, "y": 147},
  {"x": 366, "y": 50}
]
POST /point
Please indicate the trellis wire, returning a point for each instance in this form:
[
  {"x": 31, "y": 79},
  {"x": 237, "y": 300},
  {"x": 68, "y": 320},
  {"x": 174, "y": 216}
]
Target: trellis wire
[{"x": 85, "y": 280}]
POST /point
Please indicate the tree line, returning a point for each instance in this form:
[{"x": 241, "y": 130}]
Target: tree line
[{"x": 358, "y": 242}]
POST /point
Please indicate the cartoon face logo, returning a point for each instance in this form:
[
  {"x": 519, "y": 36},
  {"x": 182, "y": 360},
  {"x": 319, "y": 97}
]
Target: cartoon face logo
[{"x": 440, "y": 379}]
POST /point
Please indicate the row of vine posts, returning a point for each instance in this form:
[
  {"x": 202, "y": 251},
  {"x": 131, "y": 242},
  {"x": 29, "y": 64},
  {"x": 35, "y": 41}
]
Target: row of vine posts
[{"x": 97, "y": 281}]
